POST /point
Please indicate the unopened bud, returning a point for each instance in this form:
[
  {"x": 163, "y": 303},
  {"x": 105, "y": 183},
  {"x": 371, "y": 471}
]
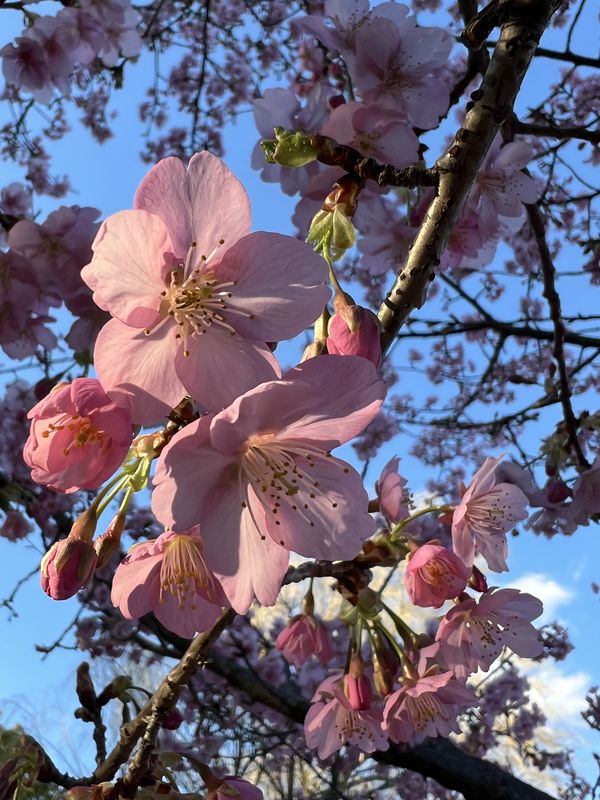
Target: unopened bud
[
  {"x": 355, "y": 332},
  {"x": 557, "y": 491},
  {"x": 289, "y": 149},
  {"x": 108, "y": 543},
  {"x": 67, "y": 567},
  {"x": 386, "y": 663},
  {"x": 478, "y": 580},
  {"x": 357, "y": 687}
]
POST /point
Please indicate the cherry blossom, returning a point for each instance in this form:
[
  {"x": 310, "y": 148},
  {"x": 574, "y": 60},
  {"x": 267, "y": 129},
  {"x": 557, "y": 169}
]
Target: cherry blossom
[
  {"x": 200, "y": 296},
  {"x": 68, "y": 565},
  {"x": 169, "y": 576},
  {"x": 434, "y": 575},
  {"x": 354, "y": 331},
  {"x": 472, "y": 634},
  {"x": 79, "y": 436},
  {"x": 392, "y": 493},
  {"x": 332, "y": 722},
  {"x": 427, "y": 704},
  {"x": 302, "y": 637},
  {"x": 259, "y": 478},
  {"x": 486, "y": 512}
]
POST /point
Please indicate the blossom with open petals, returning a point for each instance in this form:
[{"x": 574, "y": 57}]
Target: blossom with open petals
[
  {"x": 486, "y": 512},
  {"x": 472, "y": 634},
  {"x": 169, "y": 576},
  {"x": 433, "y": 575},
  {"x": 194, "y": 296},
  {"x": 426, "y": 705},
  {"x": 260, "y": 480},
  {"x": 79, "y": 436},
  {"x": 332, "y": 722}
]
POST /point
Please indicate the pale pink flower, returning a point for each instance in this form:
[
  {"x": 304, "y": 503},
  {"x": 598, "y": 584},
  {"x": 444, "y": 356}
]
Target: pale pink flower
[
  {"x": 169, "y": 576},
  {"x": 395, "y": 65},
  {"x": 233, "y": 788},
  {"x": 260, "y": 480},
  {"x": 15, "y": 526},
  {"x": 200, "y": 295},
  {"x": 332, "y": 722},
  {"x": 486, "y": 512},
  {"x": 303, "y": 637},
  {"x": 375, "y": 131},
  {"x": 434, "y": 575},
  {"x": 502, "y": 187},
  {"x": 426, "y": 705},
  {"x": 79, "y": 436},
  {"x": 392, "y": 493},
  {"x": 472, "y": 634},
  {"x": 359, "y": 338}
]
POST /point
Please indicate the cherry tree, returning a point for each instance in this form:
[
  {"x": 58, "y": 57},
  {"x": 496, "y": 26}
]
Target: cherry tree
[{"x": 283, "y": 619}]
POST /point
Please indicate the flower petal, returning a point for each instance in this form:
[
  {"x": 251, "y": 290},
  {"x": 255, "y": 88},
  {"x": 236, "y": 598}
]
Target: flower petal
[
  {"x": 141, "y": 366},
  {"x": 280, "y": 281},
  {"x": 127, "y": 269}
]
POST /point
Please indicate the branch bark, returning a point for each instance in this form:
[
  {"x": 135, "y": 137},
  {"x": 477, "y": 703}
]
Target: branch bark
[{"x": 524, "y": 21}]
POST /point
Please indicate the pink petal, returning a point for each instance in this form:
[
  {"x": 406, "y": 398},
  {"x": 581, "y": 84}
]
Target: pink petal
[
  {"x": 126, "y": 271},
  {"x": 165, "y": 191},
  {"x": 281, "y": 281},
  {"x": 220, "y": 205},
  {"x": 327, "y": 521},
  {"x": 141, "y": 366},
  {"x": 350, "y": 395},
  {"x": 136, "y": 582},
  {"x": 221, "y": 367},
  {"x": 196, "y": 615}
]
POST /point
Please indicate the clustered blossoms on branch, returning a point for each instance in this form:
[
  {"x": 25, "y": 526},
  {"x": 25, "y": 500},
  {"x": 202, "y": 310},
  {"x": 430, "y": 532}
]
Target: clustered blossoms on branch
[{"x": 184, "y": 308}]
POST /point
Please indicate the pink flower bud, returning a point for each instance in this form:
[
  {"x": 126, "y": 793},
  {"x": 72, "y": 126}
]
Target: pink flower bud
[
  {"x": 108, "y": 543},
  {"x": 302, "y": 637},
  {"x": 434, "y": 574},
  {"x": 357, "y": 687},
  {"x": 67, "y": 566},
  {"x": 478, "y": 580},
  {"x": 355, "y": 334}
]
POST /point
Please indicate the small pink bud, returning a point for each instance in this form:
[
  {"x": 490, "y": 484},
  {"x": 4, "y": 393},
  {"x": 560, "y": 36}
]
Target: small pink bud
[
  {"x": 355, "y": 333},
  {"x": 173, "y": 720},
  {"x": 357, "y": 687},
  {"x": 66, "y": 567}
]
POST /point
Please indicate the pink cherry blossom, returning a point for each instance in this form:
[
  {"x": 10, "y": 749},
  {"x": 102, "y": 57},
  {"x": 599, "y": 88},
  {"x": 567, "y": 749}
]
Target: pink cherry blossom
[
  {"x": 303, "y": 637},
  {"x": 502, "y": 187},
  {"x": 375, "y": 131},
  {"x": 426, "y": 705},
  {"x": 472, "y": 634},
  {"x": 79, "y": 436},
  {"x": 200, "y": 295},
  {"x": 260, "y": 480},
  {"x": 434, "y": 575},
  {"x": 332, "y": 722},
  {"x": 359, "y": 335},
  {"x": 395, "y": 65},
  {"x": 169, "y": 576},
  {"x": 485, "y": 513},
  {"x": 392, "y": 493}
]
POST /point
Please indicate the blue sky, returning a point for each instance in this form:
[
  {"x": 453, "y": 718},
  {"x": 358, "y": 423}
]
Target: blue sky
[{"x": 561, "y": 569}]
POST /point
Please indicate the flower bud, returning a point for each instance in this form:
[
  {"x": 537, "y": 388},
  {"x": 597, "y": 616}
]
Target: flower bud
[
  {"x": 386, "y": 663},
  {"x": 478, "y": 580},
  {"x": 557, "y": 491},
  {"x": 108, "y": 543},
  {"x": 67, "y": 567},
  {"x": 357, "y": 687},
  {"x": 355, "y": 332}
]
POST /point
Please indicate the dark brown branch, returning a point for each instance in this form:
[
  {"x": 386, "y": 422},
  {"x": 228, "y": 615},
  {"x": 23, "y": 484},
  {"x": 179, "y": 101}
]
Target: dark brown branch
[
  {"x": 553, "y": 299},
  {"x": 458, "y": 167},
  {"x": 556, "y": 132},
  {"x": 353, "y": 162},
  {"x": 163, "y": 700}
]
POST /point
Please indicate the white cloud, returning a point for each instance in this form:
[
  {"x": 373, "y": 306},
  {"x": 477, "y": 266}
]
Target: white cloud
[{"x": 552, "y": 594}]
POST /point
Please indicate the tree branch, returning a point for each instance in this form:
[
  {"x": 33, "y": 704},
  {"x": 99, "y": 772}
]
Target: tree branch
[{"x": 524, "y": 23}]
